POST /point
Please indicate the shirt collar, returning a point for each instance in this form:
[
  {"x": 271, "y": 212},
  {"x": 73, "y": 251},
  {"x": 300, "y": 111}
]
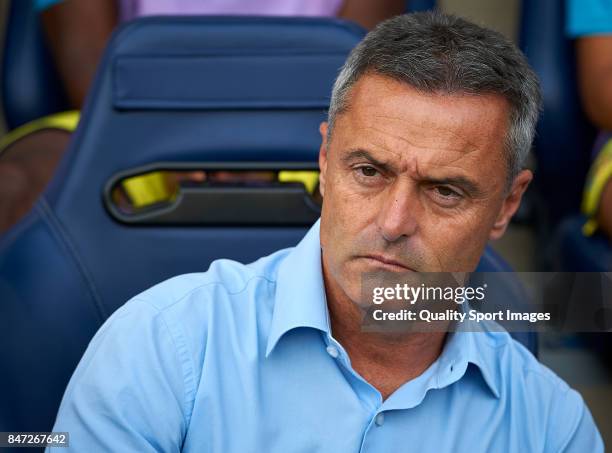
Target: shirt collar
[
  {"x": 462, "y": 348},
  {"x": 300, "y": 299},
  {"x": 472, "y": 344}
]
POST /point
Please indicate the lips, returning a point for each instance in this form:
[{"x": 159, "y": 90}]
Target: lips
[{"x": 388, "y": 262}]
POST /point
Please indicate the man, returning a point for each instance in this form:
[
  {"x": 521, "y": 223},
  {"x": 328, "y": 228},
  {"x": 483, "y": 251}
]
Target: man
[{"x": 421, "y": 164}]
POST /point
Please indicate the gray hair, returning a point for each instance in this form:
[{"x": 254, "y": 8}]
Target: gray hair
[{"x": 441, "y": 53}]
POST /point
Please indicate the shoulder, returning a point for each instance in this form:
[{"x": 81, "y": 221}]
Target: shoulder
[
  {"x": 228, "y": 297},
  {"x": 518, "y": 370},
  {"x": 187, "y": 315},
  {"x": 186, "y": 305},
  {"x": 223, "y": 279},
  {"x": 545, "y": 400},
  {"x": 227, "y": 294}
]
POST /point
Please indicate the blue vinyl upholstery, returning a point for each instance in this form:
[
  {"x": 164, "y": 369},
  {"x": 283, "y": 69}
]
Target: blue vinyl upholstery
[
  {"x": 68, "y": 265},
  {"x": 413, "y": 6},
  {"x": 578, "y": 253},
  {"x": 30, "y": 85}
]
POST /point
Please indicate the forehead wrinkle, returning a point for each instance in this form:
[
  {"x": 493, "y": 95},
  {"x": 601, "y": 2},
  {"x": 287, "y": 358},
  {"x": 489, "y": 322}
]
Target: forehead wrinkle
[
  {"x": 364, "y": 118},
  {"x": 402, "y": 160},
  {"x": 463, "y": 147},
  {"x": 459, "y": 155}
]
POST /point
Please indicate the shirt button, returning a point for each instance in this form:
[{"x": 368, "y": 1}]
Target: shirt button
[
  {"x": 380, "y": 419},
  {"x": 333, "y": 351}
]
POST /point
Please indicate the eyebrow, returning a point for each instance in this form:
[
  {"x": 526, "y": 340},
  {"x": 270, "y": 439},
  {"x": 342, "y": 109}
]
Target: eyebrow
[
  {"x": 363, "y": 154},
  {"x": 469, "y": 186}
]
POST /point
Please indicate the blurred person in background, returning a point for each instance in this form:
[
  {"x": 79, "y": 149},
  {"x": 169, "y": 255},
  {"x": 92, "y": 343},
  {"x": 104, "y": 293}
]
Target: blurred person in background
[
  {"x": 590, "y": 22},
  {"x": 76, "y": 32}
]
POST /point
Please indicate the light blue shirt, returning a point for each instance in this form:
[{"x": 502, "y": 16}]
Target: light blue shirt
[
  {"x": 588, "y": 17},
  {"x": 241, "y": 358}
]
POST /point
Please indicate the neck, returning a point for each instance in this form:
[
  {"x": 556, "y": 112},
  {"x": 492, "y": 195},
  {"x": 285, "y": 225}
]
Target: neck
[{"x": 385, "y": 360}]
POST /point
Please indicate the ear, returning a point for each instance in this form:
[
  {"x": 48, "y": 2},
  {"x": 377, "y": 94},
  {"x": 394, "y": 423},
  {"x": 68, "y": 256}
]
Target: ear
[
  {"x": 511, "y": 203},
  {"x": 323, "y": 157}
]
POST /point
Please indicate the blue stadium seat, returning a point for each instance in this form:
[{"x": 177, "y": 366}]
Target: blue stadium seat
[
  {"x": 563, "y": 144},
  {"x": 173, "y": 89},
  {"x": 30, "y": 85},
  {"x": 564, "y": 135},
  {"x": 208, "y": 90},
  {"x": 578, "y": 253},
  {"x": 413, "y": 6}
]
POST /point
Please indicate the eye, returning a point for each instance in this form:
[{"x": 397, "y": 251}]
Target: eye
[
  {"x": 447, "y": 192},
  {"x": 446, "y": 196},
  {"x": 368, "y": 171},
  {"x": 368, "y": 175}
]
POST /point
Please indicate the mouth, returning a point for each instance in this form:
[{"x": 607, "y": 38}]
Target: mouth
[{"x": 388, "y": 263}]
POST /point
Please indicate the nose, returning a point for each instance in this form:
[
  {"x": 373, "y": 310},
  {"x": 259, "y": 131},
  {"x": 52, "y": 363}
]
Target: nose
[{"x": 397, "y": 218}]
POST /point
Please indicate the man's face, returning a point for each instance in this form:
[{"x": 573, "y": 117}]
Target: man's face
[{"x": 413, "y": 181}]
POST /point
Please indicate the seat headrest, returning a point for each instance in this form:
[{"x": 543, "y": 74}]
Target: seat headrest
[{"x": 206, "y": 89}]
